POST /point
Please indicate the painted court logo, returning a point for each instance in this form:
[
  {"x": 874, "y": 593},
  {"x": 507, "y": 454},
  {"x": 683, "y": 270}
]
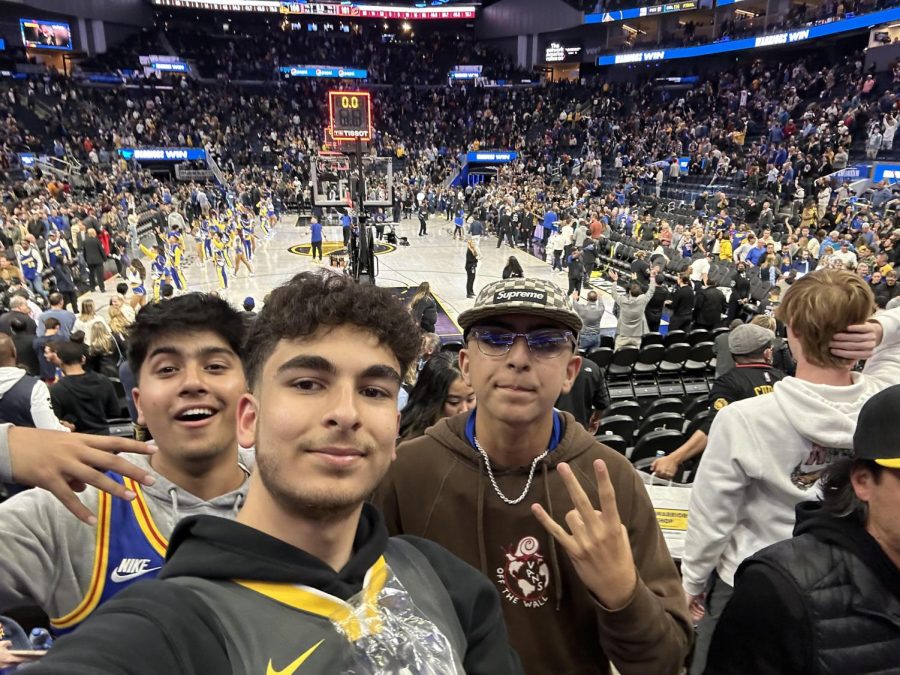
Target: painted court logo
[{"x": 525, "y": 576}]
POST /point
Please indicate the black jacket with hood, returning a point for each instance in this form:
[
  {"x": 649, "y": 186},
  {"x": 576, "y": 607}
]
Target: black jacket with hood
[
  {"x": 163, "y": 626},
  {"x": 826, "y": 601}
]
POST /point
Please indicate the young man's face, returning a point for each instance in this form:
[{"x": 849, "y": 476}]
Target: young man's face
[
  {"x": 517, "y": 387},
  {"x": 324, "y": 420},
  {"x": 187, "y": 394}
]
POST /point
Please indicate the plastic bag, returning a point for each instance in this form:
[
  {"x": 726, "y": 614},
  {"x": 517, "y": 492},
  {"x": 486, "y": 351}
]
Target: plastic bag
[{"x": 389, "y": 635}]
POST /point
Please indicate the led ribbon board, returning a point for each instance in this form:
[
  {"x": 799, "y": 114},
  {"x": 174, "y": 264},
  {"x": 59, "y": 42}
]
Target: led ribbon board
[
  {"x": 325, "y": 71},
  {"x": 776, "y": 39},
  {"x": 162, "y": 154}
]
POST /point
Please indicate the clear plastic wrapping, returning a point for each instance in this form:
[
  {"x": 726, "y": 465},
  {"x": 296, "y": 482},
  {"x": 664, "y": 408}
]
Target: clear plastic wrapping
[{"x": 389, "y": 635}]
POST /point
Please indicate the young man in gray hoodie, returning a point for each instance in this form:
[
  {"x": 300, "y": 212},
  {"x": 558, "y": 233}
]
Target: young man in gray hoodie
[{"x": 186, "y": 354}]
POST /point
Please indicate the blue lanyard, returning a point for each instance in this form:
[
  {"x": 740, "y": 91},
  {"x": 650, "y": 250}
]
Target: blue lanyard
[{"x": 555, "y": 435}]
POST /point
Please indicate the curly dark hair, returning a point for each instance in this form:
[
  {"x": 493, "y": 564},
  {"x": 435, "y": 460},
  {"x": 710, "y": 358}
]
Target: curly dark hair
[
  {"x": 189, "y": 313},
  {"x": 311, "y": 300}
]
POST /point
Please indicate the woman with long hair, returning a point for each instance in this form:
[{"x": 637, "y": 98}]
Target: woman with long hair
[
  {"x": 423, "y": 307},
  {"x": 135, "y": 275},
  {"x": 440, "y": 392},
  {"x": 104, "y": 354},
  {"x": 118, "y": 326},
  {"x": 86, "y": 320}
]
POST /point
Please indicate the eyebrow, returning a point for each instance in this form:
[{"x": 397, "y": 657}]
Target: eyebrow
[
  {"x": 323, "y": 365},
  {"x": 203, "y": 351}
]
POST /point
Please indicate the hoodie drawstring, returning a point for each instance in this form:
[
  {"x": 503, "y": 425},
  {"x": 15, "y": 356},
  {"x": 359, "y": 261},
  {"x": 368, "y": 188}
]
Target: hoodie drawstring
[
  {"x": 479, "y": 515},
  {"x": 554, "y": 555},
  {"x": 238, "y": 503},
  {"x": 173, "y": 496}
]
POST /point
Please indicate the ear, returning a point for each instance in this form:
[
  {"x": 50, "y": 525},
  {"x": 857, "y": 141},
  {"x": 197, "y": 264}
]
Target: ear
[
  {"x": 136, "y": 397},
  {"x": 863, "y": 482},
  {"x": 247, "y": 416},
  {"x": 464, "y": 363},
  {"x": 572, "y": 369}
]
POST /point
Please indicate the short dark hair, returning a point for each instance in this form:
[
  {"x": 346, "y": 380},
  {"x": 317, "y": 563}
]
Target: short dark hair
[
  {"x": 167, "y": 290},
  {"x": 189, "y": 313},
  {"x": 69, "y": 352},
  {"x": 51, "y": 323},
  {"x": 122, "y": 288},
  {"x": 310, "y": 301}
]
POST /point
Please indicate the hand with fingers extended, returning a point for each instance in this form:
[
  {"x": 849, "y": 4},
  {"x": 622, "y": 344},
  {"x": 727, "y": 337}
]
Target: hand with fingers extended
[
  {"x": 598, "y": 544},
  {"x": 64, "y": 463},
  {"x": 858, "y": 342}
]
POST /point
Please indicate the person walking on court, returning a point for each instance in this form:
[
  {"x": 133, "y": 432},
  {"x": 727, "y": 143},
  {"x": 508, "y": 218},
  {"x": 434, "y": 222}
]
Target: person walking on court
[
  {"x": 315, "y": 238},
  {"x": 471, "y": 264}
]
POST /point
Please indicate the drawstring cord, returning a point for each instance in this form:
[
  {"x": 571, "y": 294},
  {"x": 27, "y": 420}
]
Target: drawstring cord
[
  {"x": 482, "y": 550},
  {"x": 554, "y": 556}
]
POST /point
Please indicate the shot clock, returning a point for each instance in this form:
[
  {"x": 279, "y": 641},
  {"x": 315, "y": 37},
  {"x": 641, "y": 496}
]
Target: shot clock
[{"x": 350, "y": 113}]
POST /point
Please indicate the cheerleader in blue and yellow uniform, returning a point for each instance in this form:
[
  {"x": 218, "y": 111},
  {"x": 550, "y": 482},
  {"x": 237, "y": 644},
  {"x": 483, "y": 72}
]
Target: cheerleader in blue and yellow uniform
[
  {"x": 220, "y": 259},
  {"x": 157, "y": 267},
  {"x": 135, "y": 275},
  {"x": 174, "y": 254},
  {"x": 262, "y": 209},
  {"x": 247, "y": 235}
]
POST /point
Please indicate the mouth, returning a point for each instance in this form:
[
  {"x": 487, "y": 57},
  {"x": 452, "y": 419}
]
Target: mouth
[
  {"x": 339, "y": 457},
  {"x": 516, "y": 388},
  {"x": 196, "y": 416}
]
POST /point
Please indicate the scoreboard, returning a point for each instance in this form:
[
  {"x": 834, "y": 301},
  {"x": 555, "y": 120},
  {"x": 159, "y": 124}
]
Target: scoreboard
[{"x": 350, "y": 114}]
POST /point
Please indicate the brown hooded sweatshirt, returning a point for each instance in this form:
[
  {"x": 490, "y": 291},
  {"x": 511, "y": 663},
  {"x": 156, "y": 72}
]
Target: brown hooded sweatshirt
[{"x": 439, "y": 489}]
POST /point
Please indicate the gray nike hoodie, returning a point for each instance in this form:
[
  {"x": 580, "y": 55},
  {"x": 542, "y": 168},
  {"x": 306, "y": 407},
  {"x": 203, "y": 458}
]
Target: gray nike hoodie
[{"x": 47, "y": 554}]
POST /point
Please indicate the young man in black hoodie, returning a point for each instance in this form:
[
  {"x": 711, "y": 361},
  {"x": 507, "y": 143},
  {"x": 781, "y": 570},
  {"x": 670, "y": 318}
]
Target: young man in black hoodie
[
  {"x": 85, "y": 399},
  {"x": 828, "y": 600},
  {"x": 307, "y": 575}
]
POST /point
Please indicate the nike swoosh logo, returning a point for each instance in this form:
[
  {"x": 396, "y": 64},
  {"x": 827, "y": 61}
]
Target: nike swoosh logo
[
  {"x": 119, "y": 578},
  {"x": 292, "y": 668}
]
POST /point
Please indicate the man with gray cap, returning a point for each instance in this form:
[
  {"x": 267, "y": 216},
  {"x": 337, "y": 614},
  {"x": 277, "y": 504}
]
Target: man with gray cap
[
  {"x": 753, "y": 375},
  {"x": 500, "y": 487}
]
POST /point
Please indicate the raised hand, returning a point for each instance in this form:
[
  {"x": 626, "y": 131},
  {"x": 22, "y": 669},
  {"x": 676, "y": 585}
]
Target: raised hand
[
  {"x": 858, "y": 342},
  {"x": 64, "y": 464},
  {"x": 598, "y": 544}
]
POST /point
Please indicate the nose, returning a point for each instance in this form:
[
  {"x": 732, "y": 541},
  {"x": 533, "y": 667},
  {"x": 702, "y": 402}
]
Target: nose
[
  {"x": 344, "y": 412},
  {"x": 519, "y": 355},
  {"x": 194, "y": 380},
  {"x": 466, "y": 405}
]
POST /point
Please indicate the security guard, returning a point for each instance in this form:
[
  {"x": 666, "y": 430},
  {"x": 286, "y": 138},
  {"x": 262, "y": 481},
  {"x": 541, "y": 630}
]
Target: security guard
[{"x": 752, "y": 375}]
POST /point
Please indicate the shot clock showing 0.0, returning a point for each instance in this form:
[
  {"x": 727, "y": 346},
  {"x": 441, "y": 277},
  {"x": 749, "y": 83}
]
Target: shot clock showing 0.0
[{"x": 350, "y": 113}]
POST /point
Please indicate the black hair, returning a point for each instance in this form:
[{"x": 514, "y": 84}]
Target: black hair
[
  {"x": 51, "y": 323},
  {"x": 122, "y": 288},
  {"x": 189, "y": 313},
  {"x": 838, "y": 496},
  {"x": 426, "y": 400},
  {"x": 310, "y": 301},
  {"x": 69, "y": 352}
]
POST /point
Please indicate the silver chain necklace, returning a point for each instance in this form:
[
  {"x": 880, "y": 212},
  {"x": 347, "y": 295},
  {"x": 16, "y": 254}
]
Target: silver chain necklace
[{"x": 487, "y": 463}]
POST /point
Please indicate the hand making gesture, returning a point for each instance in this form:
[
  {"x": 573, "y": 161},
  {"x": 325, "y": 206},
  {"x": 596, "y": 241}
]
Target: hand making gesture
[{"x": 598, "y": 545}]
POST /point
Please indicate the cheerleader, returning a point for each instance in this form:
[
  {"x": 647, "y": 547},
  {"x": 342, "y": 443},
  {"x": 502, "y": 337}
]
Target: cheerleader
[
  {"x": 135, "y": 275},
  {"x": 157, "y": 267},
  {"x": 263, "y": 211},
  {"x": 241, "y": 252},
  {"x": 220, "y": 259},
  {"x": 174, "y": 254}
]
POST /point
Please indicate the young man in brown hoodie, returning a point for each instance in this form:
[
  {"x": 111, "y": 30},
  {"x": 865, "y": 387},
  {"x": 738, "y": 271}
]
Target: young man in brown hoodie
[{"x": 494, "y": 485}]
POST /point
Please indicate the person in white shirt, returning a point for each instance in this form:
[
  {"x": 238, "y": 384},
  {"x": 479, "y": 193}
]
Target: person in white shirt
[
  {"x": 765, "y": 454},
  {"x": 700, "y": 271}
]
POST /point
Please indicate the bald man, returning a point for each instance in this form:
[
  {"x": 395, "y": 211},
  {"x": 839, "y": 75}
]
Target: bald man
[{"x": 24, "y": 400}]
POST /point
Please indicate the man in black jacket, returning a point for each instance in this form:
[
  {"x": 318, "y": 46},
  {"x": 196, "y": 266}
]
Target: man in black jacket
[
  {"x": 307, "y": 575},
  {"x": 828, "y": 600},
  {"x": 709, "y": 306},
  {"x": 94, "y": 256},
  {"x": 85, "y": 399},
  {"x": 682, "y": 304}
]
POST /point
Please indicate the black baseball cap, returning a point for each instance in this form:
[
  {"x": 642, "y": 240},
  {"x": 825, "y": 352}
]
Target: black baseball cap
[{"x": 876, "y": 435}]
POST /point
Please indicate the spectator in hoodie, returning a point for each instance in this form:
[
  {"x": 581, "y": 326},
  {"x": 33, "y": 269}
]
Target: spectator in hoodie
[
  {"x": 571, "y": 606},
  {"x": 24, "y": 399},
  {"x": 85, "y": 399},
  {"x": 309, "y": 558},
  {"x": 821, "y": 601},
  {"x": 766, "y": 454},
  {"x": 186, "y": 355}
]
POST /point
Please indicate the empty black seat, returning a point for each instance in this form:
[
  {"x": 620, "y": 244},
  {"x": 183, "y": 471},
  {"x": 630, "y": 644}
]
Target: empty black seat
[
  {"x": 622, "y": 361},
  {"x": 630, "y": 408},
  {"x": 660, "y": 421},
  {"x": 602, "y": 356},
  {"x": 651, "y": 339},
  {"x": 617, "y": 425},
  {"x": 615, "y": 442},
  {"x": 675, "y": 337},
  {"x": 699, "y": 335},
  {"x": 664, "y": 405}
]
